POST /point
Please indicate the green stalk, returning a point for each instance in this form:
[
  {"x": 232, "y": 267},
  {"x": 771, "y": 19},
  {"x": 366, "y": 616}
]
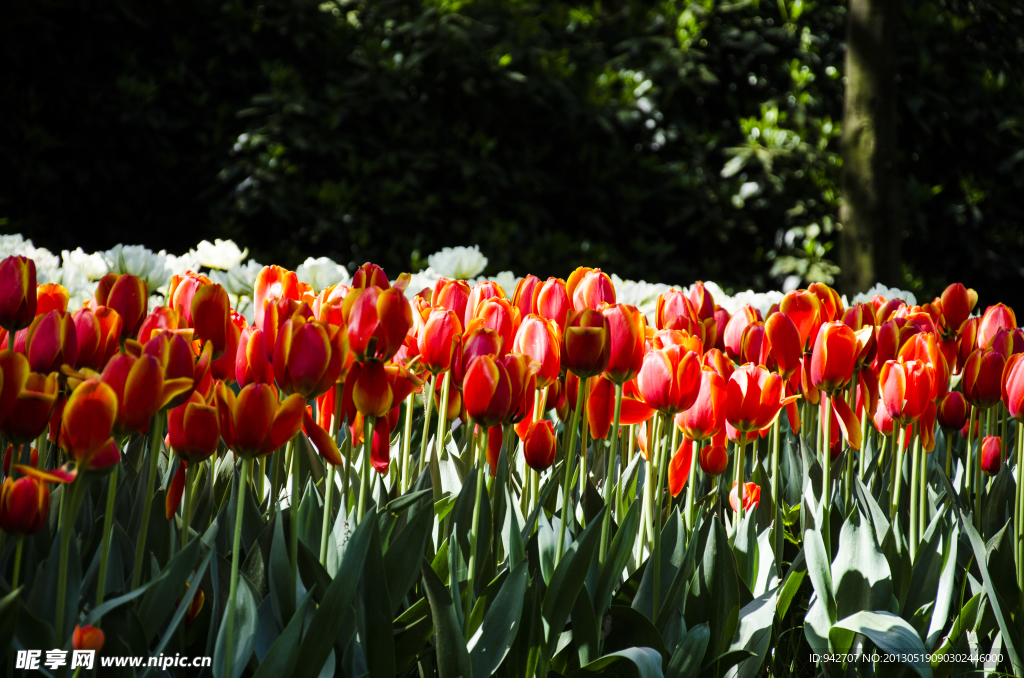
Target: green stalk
[
  {"x": 442, "y": 416},
  {"x": 895, "y": 482},
  {"x": 293, "y": 509},
  {"x": 584, "y": 435},
  {"x": 663, "y": 456},
  {"x": 69, "y": 508},
  {"x": 922, "y": 494},
  {"x": 613, "y": 450},
  {"x": 741, "y": 490},
  {"x": 364, "y": 479},
  {"x": 776, "y": 505},
  {"x": 646, "y": 511},
  {"x": 186, "y": 511},
  {"x": 620, "y": 489},
  {"x": 979, "y": 489},
  {"x": 826, "y": 467},
  {"x": 156, "y": 438},
  {"x": 428, "y": 401},
  {"x": 403, "y": 485},
  {"x": 1019, "y": 541},
  {"x": 915, "y": 461},
  {"x": 949, "y": 453},
  {"x": 473, "y": 533},
  {"x": 325, "y": 529},
  {"x": 691, "y": 487},
  {"x": 236, "y": 545},
  {"x": 108, "y": 522},
  {"x": 969, "y": 454},
  {"x": 567, "y": 469},
  {"x": 17, "y": 562}
]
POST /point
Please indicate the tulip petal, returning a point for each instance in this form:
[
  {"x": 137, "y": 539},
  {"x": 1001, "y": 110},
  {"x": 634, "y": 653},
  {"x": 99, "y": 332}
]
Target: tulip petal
[
  {"x": 849, "y": 424},
  {"x": 287, "y": 422},
  {"x": 321, "y": 440},
  {"x": 174, "y": 492},
  {"x": 679, "y": 467},
  {"x": 50, "y": 476}
]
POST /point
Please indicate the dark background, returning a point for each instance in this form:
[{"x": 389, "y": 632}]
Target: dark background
[{"x": 665, "y": 142}]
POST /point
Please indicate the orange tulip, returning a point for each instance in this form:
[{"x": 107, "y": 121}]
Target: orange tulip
[
  {"x": 670, "y": 379},
  {"x": 162, "y": 318},
  {"x": 995, "y": 318},
  {"x": 755, "y": 397},
  {"x": 525, "y": 296},
  {"x": 522, "y": 376},
  {"x": 501, "y": 316},
  {"x": 211, "y": 318},
  {"x": 182, "y": 291},
  {"x": 371, "y": 392},
  {"x": 487, "y": 391},
  {"x": 482, "y": 291},
  {"x": 589, "y": 288},
  {"x": 89, "y": 417},
  {"x": 906, "y": 389},
  {"x": 439, "y": 340},
  {"x": 97, "y": 332},
  {"x": 378, "y": 321},
  {"x": 29, "y": 412},
  {"x": 586, "y": 343},
  {"x": 181, "y": 371},
  {"x": 310, "y": 356},
  {"x": 274, "y": 282},
  {"x": 51, "y": 341},
  {"x": 538, "y": 338},
  {"x": 452, "y": 295},
  {"x": 830, "y": 303},
  {"x": 24, "y": 505},
  {"x": 713, "y": 459},
  {"x": 477, "y": 341},
  {"x": 705, "y": 417},
  {"x": 18, "y": 300},
  {"x": 251, "y": 362},
  {"x": 141, "y": 390},
  {"x": 601, "y": 406},
  {"x": 832, "y": 359},
  {"x": 51, "y": 297},
  {"x": 983, "y": 378},
  {"x": 751, "y": 496},
  {"x": 679, "y": 467},
  {"x": 553, "y": 301},
  {"x": 127, "y": 295},
  {"x": 540, "y": 444},
  {"x": 674, "y": 310},
  {"x": 734, "y": 330},
  {"x": 784, "y": 342},
  {"x": 804, "y": 309},
  {"x": 991, "y": 455},
  {"x": 193, "y": 430},
  {"x": 627, "y": 335},
  {"x": 255, "y": 424},
  {"x": 370, "y": 275},
  {"x": 754, "y": 348},
  {"x": 327, "y": 306},
  {"x": 87, "y": 638},
  {"x": 957, "y": 304}
]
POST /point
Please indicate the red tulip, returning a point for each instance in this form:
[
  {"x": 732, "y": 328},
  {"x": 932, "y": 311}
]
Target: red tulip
[
  {"x": 670, "y": 379},
  {"x": 371, "y": 392},
  {"x": 310, "y": 357},
  {"x": 832, "y": 360},
  {"x": 24, "y": 505},
  {"x": 97, "y": 332},
  {"x": 721, "y": 319},
  {"x": 627, "y": 334},
  {"x": 525, "y": 296},
  {"x": 452, "y": 295},
  {"x": 784, "y": 340},
  {"x": 51, "y": 297},
  {"x": 706, "y": 416},
  {"x": 674, "y": 310},
  {"x": 804, "y": 309},
  {"x": 601, "y": 406},
  {"x": 540, "y": 444},
  {"x": 181, "y": 371},
  {"x": 182, "y": 290},
  {"x": 501, "y": 316},
  {"x": 29, "y": 411},
  {"x": 51, "y": 341},
  {"x": 703, "y": 302},
  {"x": 482, "y": 291},
  {"x": 888, "y": 309},
  {"x": 755, "y": 397},
  {"x": 161, "y": 318},
  {"x": 274, "y": 282},
  {"x": 1013, "y": 386},
  {"x": 751, "y": 497},
  {"x": 522, "y": 376},
  {"x": 487, "y": 391},
  {"x": 831, "y": 305},
  {"x": 175, "y": 490},
  {"x": 991, "y": 452},
  {"x": 141, "y": 390},
  {"x": 953, "y": 411},
  {"x": 589, "y": 288},
  {"x": 251, "y": 361},
  {"x": 377, "y": 322},
  {"x": 754, "y": 348},
  {"x": 586, "y": 343},
  {"x": 995, "y": 318},
  {"x": 553, "y": 301},
  {"x": 254, "y": 423},
  {"x": 370, "y": 275},
  {"x": 127, "y": 295},
  {"x": 477, "y": 341},
  {"x": 89, "y": 417},
  {"x": 211, "y": 318},
  {"x": 906, "y": 389},
  {"x": 983, "y": 378},
  {"x": 720, "y": 363},
  {"x": 193, "y": 429},
  {"x": 87, "y": 638},
  {"x": 957, "y": 304},
  {"x": 539, "y": 339},
  {"x": 18, "y": 300},
  {"x": 439, "y": 340},
  {"x": 734, "y": 330},
  {"x": 713, "y": 459}
]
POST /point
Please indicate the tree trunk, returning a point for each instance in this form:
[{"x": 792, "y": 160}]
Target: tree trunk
[{"x": 872, "y": 225}]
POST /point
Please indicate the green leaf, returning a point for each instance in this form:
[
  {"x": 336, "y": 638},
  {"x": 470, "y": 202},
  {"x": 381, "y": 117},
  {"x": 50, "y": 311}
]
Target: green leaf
[
  {"x": 791, "y": 584},
  {"x": 9, "y": 607},
  {"x": 516, "y": 549},
  {"x": 244, "y": 632},
  {"x": 618, "y": 556},
  {"x": 721, "y": 664},
  {"x": 330, "y": 615},
  {"x": 282, "y": 584},
  {"x": 168, "y": 587},
  {"x": 453, "y": 660},
  {"x": 379, "y": 641},
  {"x": 820, "y": 571},
  {"x": 404, "y": 553},
  {"x": 584, "y": 628},
  {"x": 945, "y": 589},
  {"x": 890, "y": 633},
  {"x": 860, "y": 572},
  {"x": 754, "y": 633},
  {"x": 491, "y": 642},
  {"x": 714, "y": 595},
  {"x": 281, "y": 658},
  {"x": 406, "y": 501},
  {"x": 630, "y": 628},
  {"x": 642, "y": 662},
  {"x": 689, "y": 653},
  {"x": 566, "y": 582}
]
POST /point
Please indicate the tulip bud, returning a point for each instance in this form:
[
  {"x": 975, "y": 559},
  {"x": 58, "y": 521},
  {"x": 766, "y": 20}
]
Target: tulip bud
[
  {"x": 670, "y": 379},
  {"x": 251, "y": 362},
  {"x": 522, "y": 376},
  {"x": 254, "y": 423},
  {"x": 553, "y": 301},
  {"x": 755, "y": 397},
  {"x": 161, "y": 318},
  {"x": 734, "y": 330},
  {"x": 18, "y": 301},
  {"x": 452, "y": 295},
  {"x": 371, "y": 392},
  {"x": 831, "y": 304},
  {"x": 589, "y": 288},
  {"x": 370, "y": 275},
  {"x": 706, "y": 416},
  {"x": 97, "y": 334},
  {"x": 957, "y": 304},
  {"x": 538, "y": 338},
  {"x": 525, "y": 296},
  {"x": 991, "y": 455},
  {"x": 182, "y": 290},
  {"x": 486, "y": 391},
  {"x": 804, "y": 309},
  {"x": 378, "y": 322},
  {"x": 751, "y": 497},
  {"x": 627, "y": 337},
  {"x": 89, "y": 417},
  {"x": 983, "y": 378},
  {"x": 193, "y": 431},
  {"x": 501, "y": 316},
  {"x": 51, "y": 297},
  {"x": 482, "y": 291},
  {"x": 832, "y": 360},
  {"x": 127, "y": 295},
  {"x": 439, "y": 340},
  {"x": 952, "y": 411},
  {"x": 51, "y": 341},
  {"x": 309, "y": 356},
  {"x": 702, "y": 301},
  {"x": 714, "y": 459},
  {"x": 586, "y": 343},
  {"x": 540, "y": 445},
  {"x": 211, "y": 318},
  {"x": 274, "y": 282},
  {"x": 754, "y": 348},
  {"x": 24, "y": 505},
  {"x": 784, "y": 341},
  {"x": 87, "y": 638},
  {"x": 995, "y": 318},
  {"x": 674, "y": 311}
]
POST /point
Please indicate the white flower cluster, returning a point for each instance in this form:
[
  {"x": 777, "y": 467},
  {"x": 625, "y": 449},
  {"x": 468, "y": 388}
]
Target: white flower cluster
[
  {"x": 887, "y": 293},
  {"x": 642, "y": 294},
  {"x": 459, "y": 263}
]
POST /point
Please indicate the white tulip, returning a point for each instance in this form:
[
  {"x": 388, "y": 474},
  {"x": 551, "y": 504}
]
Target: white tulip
[
  {"x": 322, "y": 273},
  {"x": 220, "y": 254},
  {"x": 460, "y": 263},
  {"x": 139, "y": 261},
  {"x": 240, "y": 279},
  {"x": 91, "y": 266},
  {"x": 886, "y": 293}
]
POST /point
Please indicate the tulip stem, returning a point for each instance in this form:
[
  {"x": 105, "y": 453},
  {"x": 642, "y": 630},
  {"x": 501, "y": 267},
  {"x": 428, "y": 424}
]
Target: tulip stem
[
  {"x": 567, "y": 469},
  {"x": 663, "y": 455},
  {"x": 108, "y": 521},
  {"x": 613, "y": 450},
  {"x": 949, "y": 453},
  {"x": 826, "y": 467},
  {"x": 17, "y": 561},
  {"x": 325, "y": 529},
  {"x": 364, "y": 476},
  {"x": 236, "y": 545},
  {"x": 646, "y": 511},
  {"x": 442, "y": 416},
  {"x": 70, "y": 508},
  {"x": 1019, "y": 541},
  {"x": 406, "y": 444},
  {"x": 186, "y": 509},
  {"x": 895, "y": 479},
  {"x": 780, "y": 541},
  {"x": 979, "y": 489},
  {"x": 473, "y": 533},
  {"x": 915, "y": 489},
  {"x": 691, "y": 485},
  {"x": 969, "y": 455},
  {"x": 922, "y": 493},
  {"x": 155, "y": 440},
  {"x": 428, "y": 401},
  {"x": 741, "y": 451},
  {"x": 293, "y": 507},
  {"x": 584, "y": 434}
]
